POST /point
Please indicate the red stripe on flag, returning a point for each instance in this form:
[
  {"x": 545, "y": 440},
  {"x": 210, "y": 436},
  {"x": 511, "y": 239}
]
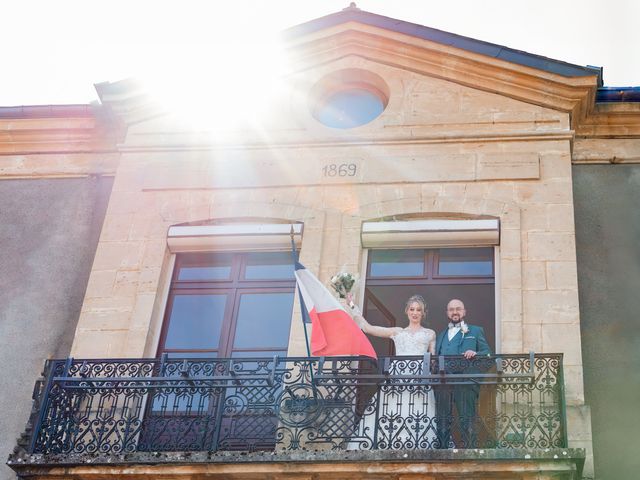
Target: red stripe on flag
[{"x": 335, "y": 333}]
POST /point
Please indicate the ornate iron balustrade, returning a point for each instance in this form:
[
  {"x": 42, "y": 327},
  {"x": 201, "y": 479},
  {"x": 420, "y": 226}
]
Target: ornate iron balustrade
[{"x": 283, "y": 404}]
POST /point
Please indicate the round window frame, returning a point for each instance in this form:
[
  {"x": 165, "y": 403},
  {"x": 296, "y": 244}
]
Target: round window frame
[{"x": 344, "y": 80}]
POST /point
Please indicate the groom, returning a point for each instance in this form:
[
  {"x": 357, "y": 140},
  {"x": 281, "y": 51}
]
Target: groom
[{"x": 468, "y": 341}]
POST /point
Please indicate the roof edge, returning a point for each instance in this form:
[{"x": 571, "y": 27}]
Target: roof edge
[
  {"x": 354, "y": 14},
  {"x": 49, "y": 111},
  {"x": 618, "y": 95}
]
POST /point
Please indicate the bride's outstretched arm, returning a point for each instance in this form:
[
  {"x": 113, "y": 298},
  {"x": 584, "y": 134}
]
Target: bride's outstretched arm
[{"x": 366, "y": 327}]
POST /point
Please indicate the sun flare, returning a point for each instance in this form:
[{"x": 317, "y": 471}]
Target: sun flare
[{"x": 218, "y": 86}]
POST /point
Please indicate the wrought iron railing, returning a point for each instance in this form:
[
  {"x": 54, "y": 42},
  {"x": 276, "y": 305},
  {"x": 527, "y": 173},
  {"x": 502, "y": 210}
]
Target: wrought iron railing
[{"x": 281, "y": 404}]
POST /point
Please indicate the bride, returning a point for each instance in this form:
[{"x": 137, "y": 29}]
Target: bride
[{"x": 405, "y": 409}]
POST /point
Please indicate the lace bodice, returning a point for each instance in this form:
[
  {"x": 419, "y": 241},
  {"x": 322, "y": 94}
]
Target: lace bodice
[{"x": 410, "y": 343}]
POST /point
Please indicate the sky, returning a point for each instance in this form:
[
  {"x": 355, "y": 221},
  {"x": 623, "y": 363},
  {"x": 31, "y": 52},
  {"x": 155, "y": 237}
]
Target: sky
[{"x": 53, "y": 52}]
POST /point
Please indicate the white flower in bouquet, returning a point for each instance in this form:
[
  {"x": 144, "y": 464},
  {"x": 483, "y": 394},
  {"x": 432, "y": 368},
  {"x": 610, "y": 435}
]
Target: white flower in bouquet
[{"x": 342, "y": 283}]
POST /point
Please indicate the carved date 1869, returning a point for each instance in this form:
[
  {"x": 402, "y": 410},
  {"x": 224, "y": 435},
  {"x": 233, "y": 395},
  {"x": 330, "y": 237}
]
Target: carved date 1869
[{"x": 339, "y": 170}]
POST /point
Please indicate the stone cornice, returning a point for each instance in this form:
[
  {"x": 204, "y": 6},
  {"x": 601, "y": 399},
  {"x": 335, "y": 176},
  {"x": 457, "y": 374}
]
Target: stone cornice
[
  {"x": 611, "y": 120},
  {"x": 56, "y": 131},
  {"x": 128, "y": 101},
  {"x": 513, "y": 136}
]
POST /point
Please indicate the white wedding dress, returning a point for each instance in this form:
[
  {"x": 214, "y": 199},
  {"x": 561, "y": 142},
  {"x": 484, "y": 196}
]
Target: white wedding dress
[{"x": 405, "y": 416}]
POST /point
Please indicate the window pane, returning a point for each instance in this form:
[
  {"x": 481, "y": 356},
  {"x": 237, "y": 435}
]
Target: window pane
[
  {"x": 397, "y": 263},
  {"x": 244, "y": 365},
  {"x": 263, "y": 320},
  {"x": 465, "y": 261},
  {"x": 350, "y": 108},
  {"x": 210, "y": 266},
  {"x": 479, "y": 301},
  {"x": 271, "y": 265},
  {"x": 258, "y": 354},
  {"x": 202, "y": 355},
  {"x": 196, "y": 321}
]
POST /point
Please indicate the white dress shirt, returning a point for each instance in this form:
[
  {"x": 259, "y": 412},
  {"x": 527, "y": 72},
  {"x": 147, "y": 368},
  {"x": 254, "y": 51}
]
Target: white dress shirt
[{"x": 452, "y": 332}]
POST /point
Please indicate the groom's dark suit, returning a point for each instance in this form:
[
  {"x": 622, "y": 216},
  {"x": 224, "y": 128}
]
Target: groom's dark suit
[{"x": 465, "y": 397}]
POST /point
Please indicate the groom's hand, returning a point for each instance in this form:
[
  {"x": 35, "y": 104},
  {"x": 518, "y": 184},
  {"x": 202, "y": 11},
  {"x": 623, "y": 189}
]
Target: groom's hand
[{"x": 469, "y": 354}]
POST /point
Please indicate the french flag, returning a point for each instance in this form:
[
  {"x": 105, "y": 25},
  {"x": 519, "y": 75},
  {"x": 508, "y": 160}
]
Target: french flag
[{"x": 333, "y": 332}]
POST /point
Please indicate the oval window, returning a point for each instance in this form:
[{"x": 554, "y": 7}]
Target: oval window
[
  {"x": 350, "y": 108},
  {"x": 349, "y": 98}
]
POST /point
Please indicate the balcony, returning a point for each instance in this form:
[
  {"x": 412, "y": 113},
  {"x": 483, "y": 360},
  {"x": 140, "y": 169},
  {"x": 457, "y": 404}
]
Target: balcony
[{"x": 278, "y": 410}]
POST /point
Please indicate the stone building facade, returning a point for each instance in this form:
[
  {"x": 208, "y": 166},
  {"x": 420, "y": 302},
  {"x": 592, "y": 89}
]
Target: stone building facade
[{"x": 467, "y": 131}]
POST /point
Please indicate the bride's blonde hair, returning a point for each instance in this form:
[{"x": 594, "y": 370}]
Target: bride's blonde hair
[{"x": 417, "y": 299}]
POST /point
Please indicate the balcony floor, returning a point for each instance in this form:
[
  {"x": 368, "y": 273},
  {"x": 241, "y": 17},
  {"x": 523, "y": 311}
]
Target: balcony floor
[{"x": 511, "y": 463}]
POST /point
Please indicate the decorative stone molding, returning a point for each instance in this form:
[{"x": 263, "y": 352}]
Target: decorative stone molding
[{"x": 57, "y": 129}]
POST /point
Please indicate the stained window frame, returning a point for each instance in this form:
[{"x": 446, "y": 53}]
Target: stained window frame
[
  {"x": 430, "y": 275},
  {"x": 234, "y": 287}
]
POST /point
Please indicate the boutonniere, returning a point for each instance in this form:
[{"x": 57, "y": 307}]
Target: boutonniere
[{"x": 463, "y": 327}]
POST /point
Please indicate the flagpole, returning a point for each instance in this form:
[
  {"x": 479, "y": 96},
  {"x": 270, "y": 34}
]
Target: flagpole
[
  {"x": 304, "y": 317},
  {"x": 305, "y": 314}
]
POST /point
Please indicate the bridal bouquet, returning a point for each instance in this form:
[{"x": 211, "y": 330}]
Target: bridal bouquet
[{"x": 342, "y": 283}]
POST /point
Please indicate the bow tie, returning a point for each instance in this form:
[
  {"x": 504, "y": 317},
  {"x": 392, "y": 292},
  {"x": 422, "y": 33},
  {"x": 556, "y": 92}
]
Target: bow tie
[{"x": 453, "y": 325}]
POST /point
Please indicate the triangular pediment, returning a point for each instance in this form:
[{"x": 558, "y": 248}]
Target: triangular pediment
[
  {"x": 435, "y": 53},
  {"x": 438, "y": 82}
]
